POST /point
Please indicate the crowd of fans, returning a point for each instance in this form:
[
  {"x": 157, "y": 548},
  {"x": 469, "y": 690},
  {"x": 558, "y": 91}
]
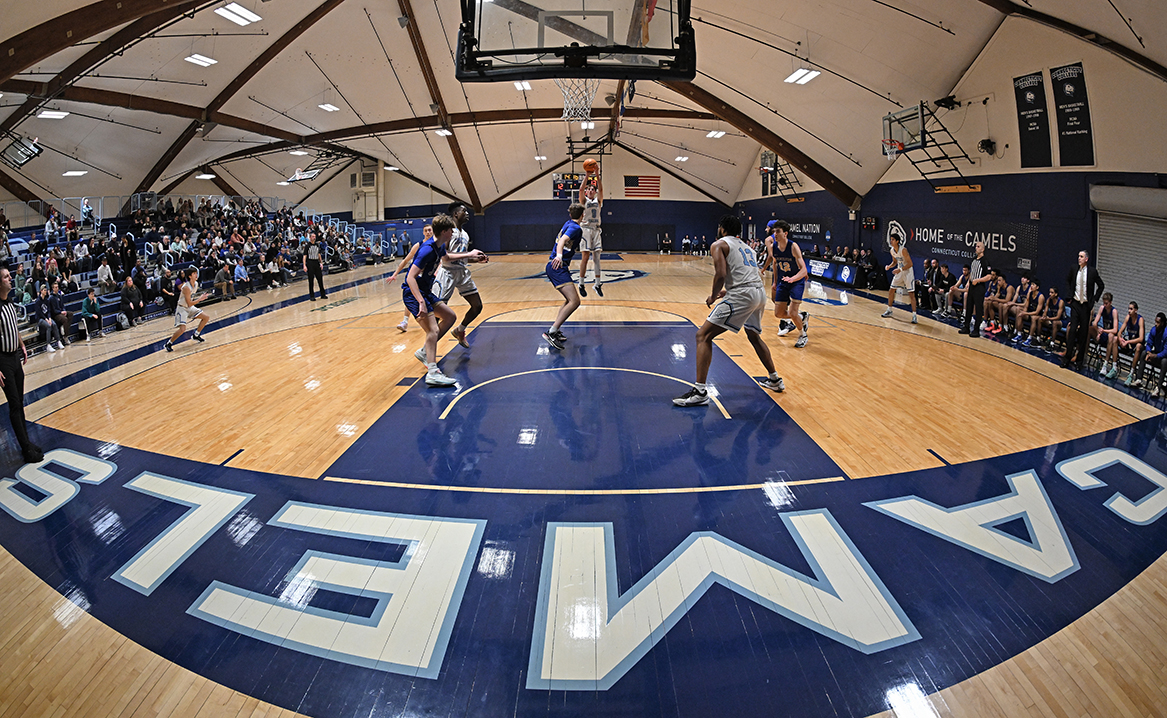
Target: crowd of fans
[{"x": 241, "y": 246}]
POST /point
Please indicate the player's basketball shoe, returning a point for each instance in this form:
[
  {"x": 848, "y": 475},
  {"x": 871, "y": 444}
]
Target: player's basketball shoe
[
  {"x": 420, "y": 355},
  {"x": 785, "y": 327},
  {"x": 583, "y": 292},
  {"x": 693, "y": 397},
  {"x": 886, "y": 313},
  {"x": 460, "y": 334},
  {"x": 599, "y": 289},
  {"x": 773, "y": 384},
  {"x": 403, "y": 325},
  {"x": 435, "y": 377},
  {"x": 801, "y": 341},
  {"x": 553, "y": 340}
]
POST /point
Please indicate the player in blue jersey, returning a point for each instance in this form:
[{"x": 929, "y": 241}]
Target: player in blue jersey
[
  {"x": 789, "y": 278},
  {"x": 417, "y": 294},
  {"x": 559, "y": 272}
]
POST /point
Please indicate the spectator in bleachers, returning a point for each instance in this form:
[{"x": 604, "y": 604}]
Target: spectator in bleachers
[
  {"x": 1104, "y": 327},
  {"x": 5, "y": 249},
  {"x": 105, "y": 278},
  {"x": 90, "y": 315},
  {"x": 376, "y": 251},
  {"x": 1154, "y": 352},
  {"x": 133, "y": 306},
  {"x": 71, "y": 226},
  {"x": 128, "y": 254},
  {"x": 242, "y": 279},
  {"x": 5, "y": 223},
  {"x": 87, "y": 214},
  {"x": 44, "y": 315},
  {"x": 51, "y": 227},
  {"x": 142, "y": 280},
  {"x": 1130, "y": 338},
  {"x": 61, "y": 316},
  {"x": 39, "y": 276},
  {"x": 19, "y": 281},
  {"x": 271, "y": 274},
  {"x": 81, "y": 257},
  {"x": 168, "y": 290},
  {"x": 68, "y": 283},
  {"x": 224, "y": 283},
  {"x": 51, "y": 268}
]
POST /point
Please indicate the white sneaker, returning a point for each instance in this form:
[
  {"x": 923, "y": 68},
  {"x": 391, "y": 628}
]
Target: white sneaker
[
  {"x": 785, "y": 327},
  {"x": 403, "y": 325},
  {"x": 886, "y": 313},
  {"x": 51, "y": 347},
  {"x": 437, "y": 378},
  {"x": 420, "y": 355},
  {"x": 801, "y": 341},
  {"x": 773, "y": 384},
  {"x": 693, "y": 397},
  {"x": 914, "y": 320}
]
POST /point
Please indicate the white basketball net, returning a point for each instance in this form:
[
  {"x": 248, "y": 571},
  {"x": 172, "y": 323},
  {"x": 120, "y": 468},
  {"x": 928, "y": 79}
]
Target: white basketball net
[{"x": 578, "y": 95}]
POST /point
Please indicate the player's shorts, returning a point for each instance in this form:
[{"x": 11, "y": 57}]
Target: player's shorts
[
  {"x": 591, "y": 239},
  {"x": 560, "y": 276},
  {"x": 905, "y": 280},
  {"x": 448, "y": 279},
  {"x": 186, "y": 315},
  {"x": 786, "y": 292},
  {"x": 411, "y": 304},
  {"x": 740, "y": 308}
]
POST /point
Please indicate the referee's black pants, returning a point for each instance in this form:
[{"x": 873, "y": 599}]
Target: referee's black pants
[
  {"x": 13, "y": 372},
  {"x": 313, "y": 266},
  {"x": 974, "y": 306}
]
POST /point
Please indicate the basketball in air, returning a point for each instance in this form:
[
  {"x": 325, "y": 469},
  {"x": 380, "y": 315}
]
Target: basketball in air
[{"x": 591, "y": 166}]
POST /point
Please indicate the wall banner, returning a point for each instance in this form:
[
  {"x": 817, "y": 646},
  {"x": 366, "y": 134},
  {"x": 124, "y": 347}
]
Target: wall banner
[
  {"x": 1075, "y": 133},
  {"x": 1009, "y": 246},
  {"x": 1033, "y": 121}
]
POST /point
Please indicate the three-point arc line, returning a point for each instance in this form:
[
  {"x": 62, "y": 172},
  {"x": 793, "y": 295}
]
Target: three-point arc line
[{"x": 458, "y": 398}]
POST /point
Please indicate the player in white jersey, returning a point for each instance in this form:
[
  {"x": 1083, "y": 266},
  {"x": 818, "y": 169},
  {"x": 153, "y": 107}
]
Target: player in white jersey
[
  {"x": 593, "y": 201},
  {"x": 454, "y": 274},
  {"x": 904, "y": 278},
  {"x": 738, "y": 284},
  {"x": 427, "y": 232},
  {"x": 186, "y": 311}
]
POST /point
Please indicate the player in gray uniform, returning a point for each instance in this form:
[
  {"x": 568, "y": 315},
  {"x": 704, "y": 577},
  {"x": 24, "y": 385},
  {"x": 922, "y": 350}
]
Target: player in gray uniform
[
  {"x": 904, "y": 279},
  {"x": 738, "y": 284},
  {"x": 593, "y": 200},
  {"x": 454, "y": 274}
]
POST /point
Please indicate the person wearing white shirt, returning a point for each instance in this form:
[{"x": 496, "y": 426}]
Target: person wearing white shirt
[
  {"x": 81, "y": 254},
  {"x": 105, "y": 277}
]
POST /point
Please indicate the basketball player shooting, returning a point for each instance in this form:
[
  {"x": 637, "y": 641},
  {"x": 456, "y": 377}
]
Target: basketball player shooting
[{"x": 592, "y": 197}]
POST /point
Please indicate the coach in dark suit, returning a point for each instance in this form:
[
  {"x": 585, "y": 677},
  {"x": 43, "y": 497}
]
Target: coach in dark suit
[{"x": 1085, "y": 288}]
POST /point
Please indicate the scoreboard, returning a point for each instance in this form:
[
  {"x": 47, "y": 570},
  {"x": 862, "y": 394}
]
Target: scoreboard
[{"x": 566, "y": 186}]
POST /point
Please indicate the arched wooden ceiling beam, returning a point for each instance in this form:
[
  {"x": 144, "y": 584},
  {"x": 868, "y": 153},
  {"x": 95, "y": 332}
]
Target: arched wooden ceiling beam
[
  {"x": 431, "y": 82},
  {"x": 99, "y": 53},
  {"x": 1008, "y": 7},
  {"x": 38, "y": 43},
  {"x": 767, "y": 138}
]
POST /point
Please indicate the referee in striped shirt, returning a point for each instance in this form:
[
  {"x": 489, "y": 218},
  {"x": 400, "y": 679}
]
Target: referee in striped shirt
[
  {"x": 13, "y": 355},
  {"x": 974, "y": 299}
]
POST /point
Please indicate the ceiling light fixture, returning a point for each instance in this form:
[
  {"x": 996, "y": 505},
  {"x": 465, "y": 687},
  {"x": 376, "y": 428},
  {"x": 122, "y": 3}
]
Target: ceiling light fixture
[
  {"x": 283, "y": 184},
  {"x": 237, "y": 14},
  {"x": 716, "y": 134},
  {"x": 810, "y": 75},
  {"x": 796, "y": 75},
  {"x": 205, "y": 176},
  {"x": 391, "y": 168},
  {"x": 201, "y": 60},
  {"x": 52, "y": 115},
  {"x": 523, "y": 85},
  {"x": 329, "y": 107},
  {"x": 298, "y": 153},
  {"x": 682, "y": 159},
  {"x": 76, "y": 173},
  {"x": 587, "y": 125},
  {"x": 443, "y": 132},
  {"x": 540, "y": 158}
]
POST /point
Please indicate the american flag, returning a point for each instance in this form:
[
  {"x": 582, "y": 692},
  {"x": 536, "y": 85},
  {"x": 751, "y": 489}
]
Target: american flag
[{"x": 641, "y": 186}]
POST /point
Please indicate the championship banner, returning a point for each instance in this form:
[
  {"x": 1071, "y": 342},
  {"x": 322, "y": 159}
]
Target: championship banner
[
  {"x": 1009, "y": 246},
  {"x": 1033, "y": 121},
  {"x": 1075, "y": 133}
]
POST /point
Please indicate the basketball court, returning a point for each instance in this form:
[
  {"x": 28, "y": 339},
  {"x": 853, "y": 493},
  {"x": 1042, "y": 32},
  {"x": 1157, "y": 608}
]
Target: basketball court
[{"x": 286, "y": 519}]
